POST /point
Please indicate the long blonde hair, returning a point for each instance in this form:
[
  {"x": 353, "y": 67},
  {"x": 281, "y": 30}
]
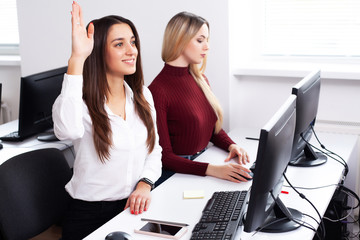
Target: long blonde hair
[{"x": 178, "y": 33}]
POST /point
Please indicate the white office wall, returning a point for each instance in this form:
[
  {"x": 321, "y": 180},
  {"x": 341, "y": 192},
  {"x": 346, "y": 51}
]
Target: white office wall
[
  {"x": 45, "y": 33},
  {"x": 247, "y": 100},
  {"x": 254, "y": 98},
  {"x": 10, "y": 79}
]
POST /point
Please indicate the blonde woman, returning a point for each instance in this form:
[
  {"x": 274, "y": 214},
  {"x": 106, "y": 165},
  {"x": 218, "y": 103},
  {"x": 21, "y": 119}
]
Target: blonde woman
[{"x": 188, "y": 113}]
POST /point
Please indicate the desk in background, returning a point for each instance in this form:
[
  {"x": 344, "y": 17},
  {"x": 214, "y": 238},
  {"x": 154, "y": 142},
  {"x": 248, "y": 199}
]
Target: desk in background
[
  {"x": 168, "y": 203},
  {"x": 11, "y": 149}
]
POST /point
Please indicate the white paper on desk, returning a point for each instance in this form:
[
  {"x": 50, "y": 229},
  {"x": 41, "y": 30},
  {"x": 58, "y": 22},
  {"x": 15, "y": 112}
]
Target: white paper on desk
[{"x": 193, "y": 194}]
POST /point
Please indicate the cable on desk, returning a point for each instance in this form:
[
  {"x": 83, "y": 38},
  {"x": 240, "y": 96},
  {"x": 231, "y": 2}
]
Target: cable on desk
[
  {"x": 341, "y": 219},
  {"x": 330, "y": 152},
  {"x": 350, "y": 192},
  {"x": 298, "y": 221},
  {"x": 321, "y": 225},
  {"x": 314, "y": 188},
  {"x": 343, "y": 188},
  {"x": 315, "y": 220}
]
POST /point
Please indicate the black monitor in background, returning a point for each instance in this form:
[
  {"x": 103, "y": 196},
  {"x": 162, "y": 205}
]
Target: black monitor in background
[
  {"x": 307, "y": 92},
  {"x": 266, "y": 212},
  {"x": 37, "y": 95}
]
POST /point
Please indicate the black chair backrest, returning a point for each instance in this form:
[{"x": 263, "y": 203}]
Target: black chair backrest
[{"x": 32, "y": 193}]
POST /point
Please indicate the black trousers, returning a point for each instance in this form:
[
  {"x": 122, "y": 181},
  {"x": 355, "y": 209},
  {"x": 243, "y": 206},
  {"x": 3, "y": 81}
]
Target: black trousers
[
  {"x": 165, "y": 174},
  {"x": 82, "y": 217}
]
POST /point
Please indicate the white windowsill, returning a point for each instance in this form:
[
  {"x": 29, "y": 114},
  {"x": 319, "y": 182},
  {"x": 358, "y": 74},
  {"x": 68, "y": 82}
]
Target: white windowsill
[
  {"x": 10, "y": 60},
  {"x": 278, "y": 69}
]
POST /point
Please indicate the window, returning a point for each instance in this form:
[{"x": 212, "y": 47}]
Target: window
[
  {"x": 311, "y": 28},
  {"x": 9, "y": 37}
]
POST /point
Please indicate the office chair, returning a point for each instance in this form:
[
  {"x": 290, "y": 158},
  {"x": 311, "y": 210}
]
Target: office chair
[{"x": 32, "y": 193}]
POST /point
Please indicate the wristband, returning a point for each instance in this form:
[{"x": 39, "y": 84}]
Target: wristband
[{"x": 147, "y": 181}]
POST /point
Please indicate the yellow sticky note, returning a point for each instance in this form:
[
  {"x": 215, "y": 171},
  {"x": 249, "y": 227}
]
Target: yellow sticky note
[{"x": 192, "y": 194}]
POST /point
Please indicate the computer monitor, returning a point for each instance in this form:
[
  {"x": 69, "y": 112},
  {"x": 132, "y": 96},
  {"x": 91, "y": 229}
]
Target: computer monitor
[
  {"x": 37, "y": 95},
  {"x": 266, "y": 212},
  {"x": 307, "y": 92}
]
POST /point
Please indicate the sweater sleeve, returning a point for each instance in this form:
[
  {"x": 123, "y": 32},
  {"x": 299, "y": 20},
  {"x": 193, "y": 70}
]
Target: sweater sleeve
[
  {"x": 169, "y": 159},
  {"x": 222, "y": 140}
]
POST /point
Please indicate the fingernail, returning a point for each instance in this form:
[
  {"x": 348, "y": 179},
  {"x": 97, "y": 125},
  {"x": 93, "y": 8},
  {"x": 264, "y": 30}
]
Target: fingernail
[
  {"x": 145, "y": 209},
  {"x": 132, "y": 211},
  {"x": 140, "y": 211},
  {"x": 136, "y": 212}
]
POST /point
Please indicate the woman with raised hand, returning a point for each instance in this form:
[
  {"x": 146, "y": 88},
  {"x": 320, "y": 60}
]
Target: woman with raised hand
[{"x": 108, "y": 113}]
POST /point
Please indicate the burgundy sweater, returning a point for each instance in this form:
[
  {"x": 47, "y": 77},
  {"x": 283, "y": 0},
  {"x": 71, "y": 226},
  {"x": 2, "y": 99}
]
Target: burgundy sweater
[{"x": 185, "y": 120}]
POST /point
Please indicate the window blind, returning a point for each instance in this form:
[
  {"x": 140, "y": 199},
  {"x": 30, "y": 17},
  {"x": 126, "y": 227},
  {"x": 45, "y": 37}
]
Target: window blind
[
  {"x": 329, "y": 28},
  {"x": 8, "y": 23}
]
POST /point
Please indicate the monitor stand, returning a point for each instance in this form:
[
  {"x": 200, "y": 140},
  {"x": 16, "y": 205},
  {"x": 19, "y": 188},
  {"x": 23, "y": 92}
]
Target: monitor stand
[
  {"x": 309, "y": 158},
  {"x": 282, "y": 219},
  {"x": 47, "y": 137}
]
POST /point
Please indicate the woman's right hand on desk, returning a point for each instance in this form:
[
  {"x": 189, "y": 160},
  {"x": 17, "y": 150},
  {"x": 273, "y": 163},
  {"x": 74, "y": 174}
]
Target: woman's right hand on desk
[
  {"x": 232, "y": 172},
  {"x": 82, "y": 41}
]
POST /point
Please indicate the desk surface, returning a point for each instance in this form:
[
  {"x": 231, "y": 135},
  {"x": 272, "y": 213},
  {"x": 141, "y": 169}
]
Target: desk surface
[
  {"x": 168, "y": 203},
  {"x": 11, "y": 149}
]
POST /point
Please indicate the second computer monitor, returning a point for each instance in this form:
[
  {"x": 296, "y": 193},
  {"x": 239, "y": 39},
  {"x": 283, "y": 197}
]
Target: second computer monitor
[{"x": 307, "y": 92}]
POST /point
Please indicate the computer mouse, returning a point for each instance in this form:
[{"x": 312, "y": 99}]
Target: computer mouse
[
  {"x": 247, "y": 178},
  {"x": 252, "y": 168},
  {"x": 118, "y": 235}
]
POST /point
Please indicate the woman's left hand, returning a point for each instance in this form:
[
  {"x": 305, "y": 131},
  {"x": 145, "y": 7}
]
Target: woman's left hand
[
  {"x": 139, "y": 200},
  {"x": 235, "y": 150}
]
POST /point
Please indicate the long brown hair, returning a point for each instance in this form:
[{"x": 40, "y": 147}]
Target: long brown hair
[
  {"x": 95, "y": 88},
  {"x": 178, "y": 33}
]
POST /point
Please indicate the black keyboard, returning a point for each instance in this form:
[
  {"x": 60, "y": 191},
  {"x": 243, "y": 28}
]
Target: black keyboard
[
  {"x": 14, "y": 136},
  {"x": 221, "y": 216}
]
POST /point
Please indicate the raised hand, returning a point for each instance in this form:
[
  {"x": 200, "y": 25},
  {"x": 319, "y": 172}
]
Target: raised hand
[{"x": 82, "y": 41}]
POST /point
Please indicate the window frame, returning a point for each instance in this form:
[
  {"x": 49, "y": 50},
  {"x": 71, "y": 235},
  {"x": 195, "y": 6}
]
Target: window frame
[
  {"x": 245, "y": 18},
  {"x": 9, "y": 49}
]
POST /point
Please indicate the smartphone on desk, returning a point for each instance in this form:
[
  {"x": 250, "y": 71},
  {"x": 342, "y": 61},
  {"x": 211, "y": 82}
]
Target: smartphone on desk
[{"x": 161, "y": 229}]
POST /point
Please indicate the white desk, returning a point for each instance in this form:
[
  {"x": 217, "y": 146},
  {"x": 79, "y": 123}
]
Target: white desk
[
  {"x": 11, "y": 149},
  {"x": 168, "y": 203}
]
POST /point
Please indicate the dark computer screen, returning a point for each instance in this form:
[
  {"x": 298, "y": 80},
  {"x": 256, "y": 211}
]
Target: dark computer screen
[
  {"x": 265, "y": 211},
  {"x": 307, "y": 92},
  {"x": 37, "y": 95}
]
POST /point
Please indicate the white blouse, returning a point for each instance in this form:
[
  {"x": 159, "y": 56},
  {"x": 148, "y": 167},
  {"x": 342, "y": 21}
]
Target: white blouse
[{"x": 129, "y": 159}]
